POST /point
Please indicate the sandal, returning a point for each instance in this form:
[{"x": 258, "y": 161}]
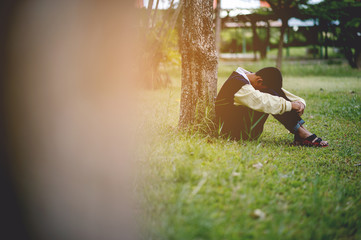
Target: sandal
[{"x": 311, "y": 141}]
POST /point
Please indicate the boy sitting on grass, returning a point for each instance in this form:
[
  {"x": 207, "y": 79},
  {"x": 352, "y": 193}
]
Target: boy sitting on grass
[{"x": 246, "y": 99}]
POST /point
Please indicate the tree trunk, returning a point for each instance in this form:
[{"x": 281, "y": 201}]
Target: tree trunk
[
  {"x": 280, "y": 44},
  {"x": 321, "y": 43},
  {"x": 265, "y": 43},
  {"x": 268, "y": 37},
  {"x": 358, "y": 58},
  {"x": 218, "y": 27},
  {"x": 350, "y": 57},
  {"x": 326, "y": 45},
  {"x": 199, "y": 63},
  {"x": 150, "y": 6},
  {"x": 255, "y": 39}
]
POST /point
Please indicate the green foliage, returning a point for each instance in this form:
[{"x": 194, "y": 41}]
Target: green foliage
[
  {"x": 232, "y": 39},
  {"x": 193, "y": 186},
  {"x": 285, "y": 9},
  {"x": 342, "y": 18},
  {"x": 160, "y": 48}
]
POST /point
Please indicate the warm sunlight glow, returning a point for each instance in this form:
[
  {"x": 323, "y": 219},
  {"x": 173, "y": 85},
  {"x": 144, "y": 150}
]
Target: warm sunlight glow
[{"x": 70, "y": 98}]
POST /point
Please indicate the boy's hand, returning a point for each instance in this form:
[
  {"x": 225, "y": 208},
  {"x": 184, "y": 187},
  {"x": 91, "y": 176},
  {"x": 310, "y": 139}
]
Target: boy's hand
[
  {"x": 302, "y": 109},
  {"x": 299, "y": 107}
]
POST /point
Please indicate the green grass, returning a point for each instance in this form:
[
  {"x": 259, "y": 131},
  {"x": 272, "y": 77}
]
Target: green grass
[
  {"x": 301, "y": 52},
  {"x": 306, "y": 68},
  {"x": 192, "y": 186}
]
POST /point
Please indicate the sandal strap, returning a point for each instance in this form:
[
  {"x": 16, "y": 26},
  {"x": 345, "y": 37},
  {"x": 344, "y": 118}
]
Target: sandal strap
[{"x": 311, "y": 138}]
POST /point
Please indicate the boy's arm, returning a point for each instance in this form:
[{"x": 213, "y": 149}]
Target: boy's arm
[
  {"x": 293, "y": 97},
  {"x": 262, "y": 102},
  {"x": 244, "y": 70}
]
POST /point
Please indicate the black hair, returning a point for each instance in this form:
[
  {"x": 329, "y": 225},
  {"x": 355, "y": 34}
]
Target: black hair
[{"x": 271, "y": 76}]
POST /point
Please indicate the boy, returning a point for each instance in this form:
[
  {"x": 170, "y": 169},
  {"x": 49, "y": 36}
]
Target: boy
[{"x": 246, "y": 99}]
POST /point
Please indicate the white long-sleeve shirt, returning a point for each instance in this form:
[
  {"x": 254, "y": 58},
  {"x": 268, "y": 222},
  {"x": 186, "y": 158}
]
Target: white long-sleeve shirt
[{"x": 263, "y": 102}]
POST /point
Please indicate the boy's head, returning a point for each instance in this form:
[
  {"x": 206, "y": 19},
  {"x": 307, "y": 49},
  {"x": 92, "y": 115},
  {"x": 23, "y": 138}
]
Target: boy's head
[
  {"x": 266, "y": 78},
  {"x": 271, "y": 77}
]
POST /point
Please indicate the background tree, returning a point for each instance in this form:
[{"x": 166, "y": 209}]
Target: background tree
[
  {"x": 156, "y": 31},
  {"x": 255, "y": 39},
  {"x": 343, "y": 20},
  {"x": 258, "y": 43},
  {"x": 199, "y": 63},
  {"x": 285, "y": 9}
]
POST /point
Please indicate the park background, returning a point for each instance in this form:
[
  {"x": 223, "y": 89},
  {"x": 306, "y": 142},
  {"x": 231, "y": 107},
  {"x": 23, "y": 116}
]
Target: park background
[
  {"x": 195, "y": 185},
  {"x": 107, "y": 124}
]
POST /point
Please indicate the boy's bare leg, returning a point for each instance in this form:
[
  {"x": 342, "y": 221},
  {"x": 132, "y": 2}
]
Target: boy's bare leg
[{"x": 304, "y": 133}]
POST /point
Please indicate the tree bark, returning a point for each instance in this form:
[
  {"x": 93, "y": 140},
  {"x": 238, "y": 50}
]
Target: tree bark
[{"x": 199, "y": 63}]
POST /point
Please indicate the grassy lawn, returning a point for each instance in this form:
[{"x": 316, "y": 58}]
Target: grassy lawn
[
  {"x": 193, "y": 186},
  {"x": 301, "y": 52}
]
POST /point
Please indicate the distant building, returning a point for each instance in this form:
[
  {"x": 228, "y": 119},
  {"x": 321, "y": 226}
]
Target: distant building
[
  {"x": 225, "y": 4},
  {"x": 264, "y": 4}
]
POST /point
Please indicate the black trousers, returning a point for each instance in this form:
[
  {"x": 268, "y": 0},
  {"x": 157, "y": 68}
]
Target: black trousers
[{"x": 240, "y": 122}]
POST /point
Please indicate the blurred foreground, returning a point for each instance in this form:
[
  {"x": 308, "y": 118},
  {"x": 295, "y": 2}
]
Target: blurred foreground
[{"x": 67, "y": 120}]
